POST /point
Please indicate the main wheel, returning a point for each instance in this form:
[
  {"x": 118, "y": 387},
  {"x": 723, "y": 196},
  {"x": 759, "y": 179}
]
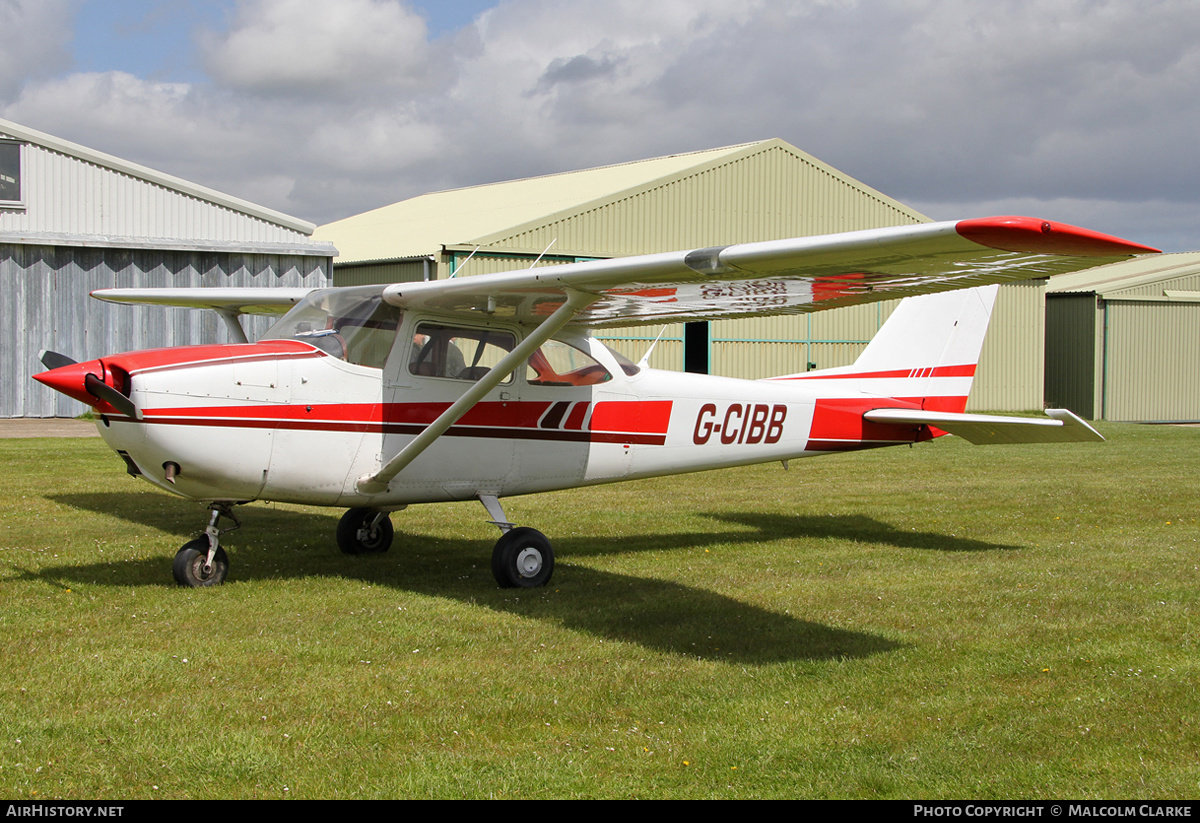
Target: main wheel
[
  {"x": 522, "y": 558},
  {"x": 355, "y": 534},
  {"x": 190, "y": 561}
]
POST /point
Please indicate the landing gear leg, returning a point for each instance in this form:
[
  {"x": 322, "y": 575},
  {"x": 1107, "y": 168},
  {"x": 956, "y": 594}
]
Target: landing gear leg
[
  {"x": 202, "y": 562},
  {"x": 522, "y": 557}
]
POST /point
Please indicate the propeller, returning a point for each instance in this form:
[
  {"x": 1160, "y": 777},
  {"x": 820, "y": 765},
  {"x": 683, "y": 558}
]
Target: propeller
[
  {"x": 98, "y": 388},
  {"x": 54, "y": 360},
  {"x": 77, "y": 380}
]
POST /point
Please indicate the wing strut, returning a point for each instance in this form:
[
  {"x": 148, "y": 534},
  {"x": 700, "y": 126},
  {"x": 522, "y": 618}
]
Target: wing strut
[
  {"x": 377, "y": 483},
  {"x": 237, "y": 334}
]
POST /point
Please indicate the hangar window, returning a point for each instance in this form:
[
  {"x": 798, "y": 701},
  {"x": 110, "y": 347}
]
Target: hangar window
[{"x": 10, "y": 173}]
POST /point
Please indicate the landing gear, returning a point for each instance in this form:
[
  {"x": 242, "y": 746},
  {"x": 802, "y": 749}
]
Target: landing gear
[
  {"x": 522, "y": 557},
  {"x": 192, "y": 566},
  {"x": 364, "y": 531},
  {"x": 202, "y": 562}
]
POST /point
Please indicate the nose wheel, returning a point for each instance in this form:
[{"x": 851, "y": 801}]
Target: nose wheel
[
  {"x": 202, "y": 562},
  {"x": 193, "y": 568}
]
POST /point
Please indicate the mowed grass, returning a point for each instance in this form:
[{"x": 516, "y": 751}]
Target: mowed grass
[{"x": 937, "y": 622}]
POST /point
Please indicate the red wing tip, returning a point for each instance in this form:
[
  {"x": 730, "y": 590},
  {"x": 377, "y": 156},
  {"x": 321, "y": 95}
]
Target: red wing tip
[{"x": 1030, "y": 235}]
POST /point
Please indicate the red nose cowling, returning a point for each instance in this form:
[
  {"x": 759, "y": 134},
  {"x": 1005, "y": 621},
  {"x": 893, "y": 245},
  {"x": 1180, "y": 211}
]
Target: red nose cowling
[{"x": 70, "y": 381}]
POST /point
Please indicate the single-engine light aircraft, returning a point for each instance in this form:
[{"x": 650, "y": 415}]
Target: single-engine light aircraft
[{"x": 374, "y": 398}]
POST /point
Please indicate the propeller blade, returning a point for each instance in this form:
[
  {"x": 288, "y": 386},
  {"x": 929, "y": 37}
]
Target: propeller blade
[
  {"x": 108, "y": 394},
  {"x": 54, "y": 360}
]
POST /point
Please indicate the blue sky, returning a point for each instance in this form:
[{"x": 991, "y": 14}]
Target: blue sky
[{"x": 1083, "y": 111}]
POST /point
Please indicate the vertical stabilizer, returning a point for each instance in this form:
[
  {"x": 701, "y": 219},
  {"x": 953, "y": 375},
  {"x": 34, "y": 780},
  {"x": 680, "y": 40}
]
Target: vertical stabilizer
[
  {"x": 932, "y": 331},
  {"x": 926, "y": 353}
]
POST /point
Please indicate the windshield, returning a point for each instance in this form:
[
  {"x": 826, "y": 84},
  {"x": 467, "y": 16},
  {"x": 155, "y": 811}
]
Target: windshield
[{"x": 354, "y": 325}]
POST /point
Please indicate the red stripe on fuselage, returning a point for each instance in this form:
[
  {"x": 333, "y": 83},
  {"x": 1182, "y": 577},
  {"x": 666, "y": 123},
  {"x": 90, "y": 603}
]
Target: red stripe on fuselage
[{"x": 641, "y": 422}]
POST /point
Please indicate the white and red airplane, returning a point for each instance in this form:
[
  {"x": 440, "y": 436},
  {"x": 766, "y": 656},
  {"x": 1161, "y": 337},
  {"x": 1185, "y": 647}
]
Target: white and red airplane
[{"x": 377, "y": 397}]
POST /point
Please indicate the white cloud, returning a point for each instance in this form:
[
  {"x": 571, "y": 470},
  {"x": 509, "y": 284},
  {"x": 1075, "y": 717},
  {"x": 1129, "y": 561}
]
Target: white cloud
[
  {"x": 314, "y": 47},
  {"x": 326, "y": 109},
  {"x": 34, "y": 35}
]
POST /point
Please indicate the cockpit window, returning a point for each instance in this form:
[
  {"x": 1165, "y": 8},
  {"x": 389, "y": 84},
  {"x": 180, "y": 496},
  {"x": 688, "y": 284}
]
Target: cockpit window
[{"x": 354, "y": 325}]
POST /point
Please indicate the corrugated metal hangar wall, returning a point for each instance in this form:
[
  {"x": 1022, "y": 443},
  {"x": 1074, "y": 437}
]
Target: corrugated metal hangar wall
[
  {"x": 1123, "y": 341},
  {"x": 757, "y": 191},
  {"x": 73, "y": 220}
]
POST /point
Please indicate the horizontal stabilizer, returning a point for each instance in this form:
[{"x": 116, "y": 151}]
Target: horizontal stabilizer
[{"x": 981, "y": 429}]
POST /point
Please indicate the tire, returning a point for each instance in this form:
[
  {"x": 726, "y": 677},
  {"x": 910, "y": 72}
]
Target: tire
[
  {"x": 375, "y": 542},
  {"x": 188, "y": 567},
  {"x": 522, "y": 559}
]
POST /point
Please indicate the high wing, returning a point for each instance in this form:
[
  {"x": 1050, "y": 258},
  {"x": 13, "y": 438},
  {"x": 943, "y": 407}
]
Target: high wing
[
  {"x": 750, "y": 279},
  {"x": 778, "y": 276}
]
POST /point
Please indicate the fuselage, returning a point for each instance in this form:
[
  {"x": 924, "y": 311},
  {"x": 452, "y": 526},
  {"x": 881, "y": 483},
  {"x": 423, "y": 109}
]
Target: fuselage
[{"x": 292, "y": 421}]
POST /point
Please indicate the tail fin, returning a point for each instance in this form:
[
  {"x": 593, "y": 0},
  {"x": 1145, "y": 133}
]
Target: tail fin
[{"x": 926, "y": 353}]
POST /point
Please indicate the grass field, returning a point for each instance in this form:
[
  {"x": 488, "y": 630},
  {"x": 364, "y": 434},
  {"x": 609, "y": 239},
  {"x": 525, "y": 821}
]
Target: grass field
[{"x": 937, "y": 622}]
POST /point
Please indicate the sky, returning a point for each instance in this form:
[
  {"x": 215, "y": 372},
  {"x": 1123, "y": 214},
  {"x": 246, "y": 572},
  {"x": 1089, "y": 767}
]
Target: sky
[{"x": 1082, "y": 111}]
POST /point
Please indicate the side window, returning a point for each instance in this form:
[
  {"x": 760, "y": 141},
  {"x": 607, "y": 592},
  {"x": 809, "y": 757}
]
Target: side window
[
  {"x": 558, "y": 364},
  {"x": 457, "y": 353}
]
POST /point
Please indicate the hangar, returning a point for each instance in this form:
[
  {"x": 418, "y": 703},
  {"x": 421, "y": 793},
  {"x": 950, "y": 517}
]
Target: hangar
[
  {"x": 73, "y": 220},
  {"x": 1123, "y": 341},
  {"x": 755, "y": 191}
]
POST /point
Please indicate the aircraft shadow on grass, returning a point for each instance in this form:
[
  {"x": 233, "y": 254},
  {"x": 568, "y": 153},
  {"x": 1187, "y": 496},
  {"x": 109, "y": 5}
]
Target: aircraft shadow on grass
[
  {"x": 854, "y": 527},
  {"x": 654, "y": 613}
]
